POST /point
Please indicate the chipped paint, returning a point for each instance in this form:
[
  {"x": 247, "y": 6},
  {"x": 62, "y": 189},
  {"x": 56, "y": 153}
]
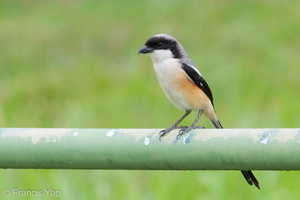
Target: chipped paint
[
  {"x": 12, "y": 132},
  {"x": 265, "y": 137},
  {"x": 284, "y": 135},
  {"x": 139, "y": 134},
  {"x": 53, "y": 139},
  {"x": 206, "y": 134},
  {"x": 177, "y": 139},
  {"x": 111, "y": 133},
  {"x": 264, "y": 141},
  {"x": 146, "y": 141},
  {"x": 37, "y": 134},
  {"x": 186, "y": 139},
  {"x": 281, "y": 135}
]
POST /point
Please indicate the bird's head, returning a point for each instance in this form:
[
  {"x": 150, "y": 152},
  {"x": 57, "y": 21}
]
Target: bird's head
[{"x": 161, "y": 47}]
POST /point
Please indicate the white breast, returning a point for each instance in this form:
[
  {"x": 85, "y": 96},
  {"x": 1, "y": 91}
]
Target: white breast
[{"x": 169, "y": 74}]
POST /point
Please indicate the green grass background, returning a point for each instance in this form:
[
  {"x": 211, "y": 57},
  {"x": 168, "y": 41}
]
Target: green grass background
[{"x": 74, "y": 64}]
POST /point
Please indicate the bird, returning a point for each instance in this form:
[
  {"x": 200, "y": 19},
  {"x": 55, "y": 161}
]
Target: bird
[{"x": 183, "y": 85}]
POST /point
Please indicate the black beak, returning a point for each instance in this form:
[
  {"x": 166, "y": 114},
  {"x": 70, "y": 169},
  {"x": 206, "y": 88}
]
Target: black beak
[{"x": 145, "y": 50}]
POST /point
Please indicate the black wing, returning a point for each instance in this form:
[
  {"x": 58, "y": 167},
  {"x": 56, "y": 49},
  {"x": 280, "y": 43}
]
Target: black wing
[{"x": 198, "y": 80}]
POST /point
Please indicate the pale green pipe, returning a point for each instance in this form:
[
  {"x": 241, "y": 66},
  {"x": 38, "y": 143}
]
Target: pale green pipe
[{"x": 204, "y": 149}]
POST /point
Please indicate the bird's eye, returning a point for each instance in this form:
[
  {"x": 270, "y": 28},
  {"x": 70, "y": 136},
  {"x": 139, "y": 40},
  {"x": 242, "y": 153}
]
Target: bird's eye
[{"x": 160, "y": 44}]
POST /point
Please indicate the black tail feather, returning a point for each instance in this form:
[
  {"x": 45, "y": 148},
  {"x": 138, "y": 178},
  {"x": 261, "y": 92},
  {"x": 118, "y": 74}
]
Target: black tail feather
[
  {"x": 250, "y": 178},
  {"x": 216, "y": 123}
]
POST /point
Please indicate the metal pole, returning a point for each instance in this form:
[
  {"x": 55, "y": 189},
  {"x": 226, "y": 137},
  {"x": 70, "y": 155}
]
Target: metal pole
[{"x": 203, "y": 149}]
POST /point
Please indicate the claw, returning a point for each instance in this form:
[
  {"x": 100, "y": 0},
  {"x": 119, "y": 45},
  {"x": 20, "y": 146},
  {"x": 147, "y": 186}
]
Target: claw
[
  {"x": 188, "y": 129},
  {"x": 161, "y": 136},
  {"x": 164, "y": 132},
  {"x": 178, "y": 136}
]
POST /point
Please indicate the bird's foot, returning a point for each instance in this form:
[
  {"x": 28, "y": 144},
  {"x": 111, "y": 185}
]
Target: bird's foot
[
  {"x": 188, "y": 129},
  {"x": 164, "y": 132}
]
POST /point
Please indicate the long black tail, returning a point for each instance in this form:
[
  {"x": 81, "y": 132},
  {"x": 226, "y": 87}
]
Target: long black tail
[{"x": 249, "y": 176}]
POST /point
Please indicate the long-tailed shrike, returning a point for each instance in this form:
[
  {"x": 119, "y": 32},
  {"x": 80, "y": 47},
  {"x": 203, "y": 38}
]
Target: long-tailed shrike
[{"x": 183, "y": 84}]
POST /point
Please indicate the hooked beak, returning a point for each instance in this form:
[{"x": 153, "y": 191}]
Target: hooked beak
[{"x": 145, "y": 50}]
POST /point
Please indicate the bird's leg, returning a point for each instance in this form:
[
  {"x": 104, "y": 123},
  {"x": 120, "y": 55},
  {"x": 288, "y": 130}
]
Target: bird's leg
[
  {"x": 194, "y": 125},
  {"x": 164, "y": 132}
]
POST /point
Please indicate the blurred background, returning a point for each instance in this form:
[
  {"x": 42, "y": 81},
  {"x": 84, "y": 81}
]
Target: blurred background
[{"x": 74, "y": 64}]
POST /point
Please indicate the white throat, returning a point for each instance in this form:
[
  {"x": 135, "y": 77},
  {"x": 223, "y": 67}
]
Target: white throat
[{"x": 160, "y": 55}]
